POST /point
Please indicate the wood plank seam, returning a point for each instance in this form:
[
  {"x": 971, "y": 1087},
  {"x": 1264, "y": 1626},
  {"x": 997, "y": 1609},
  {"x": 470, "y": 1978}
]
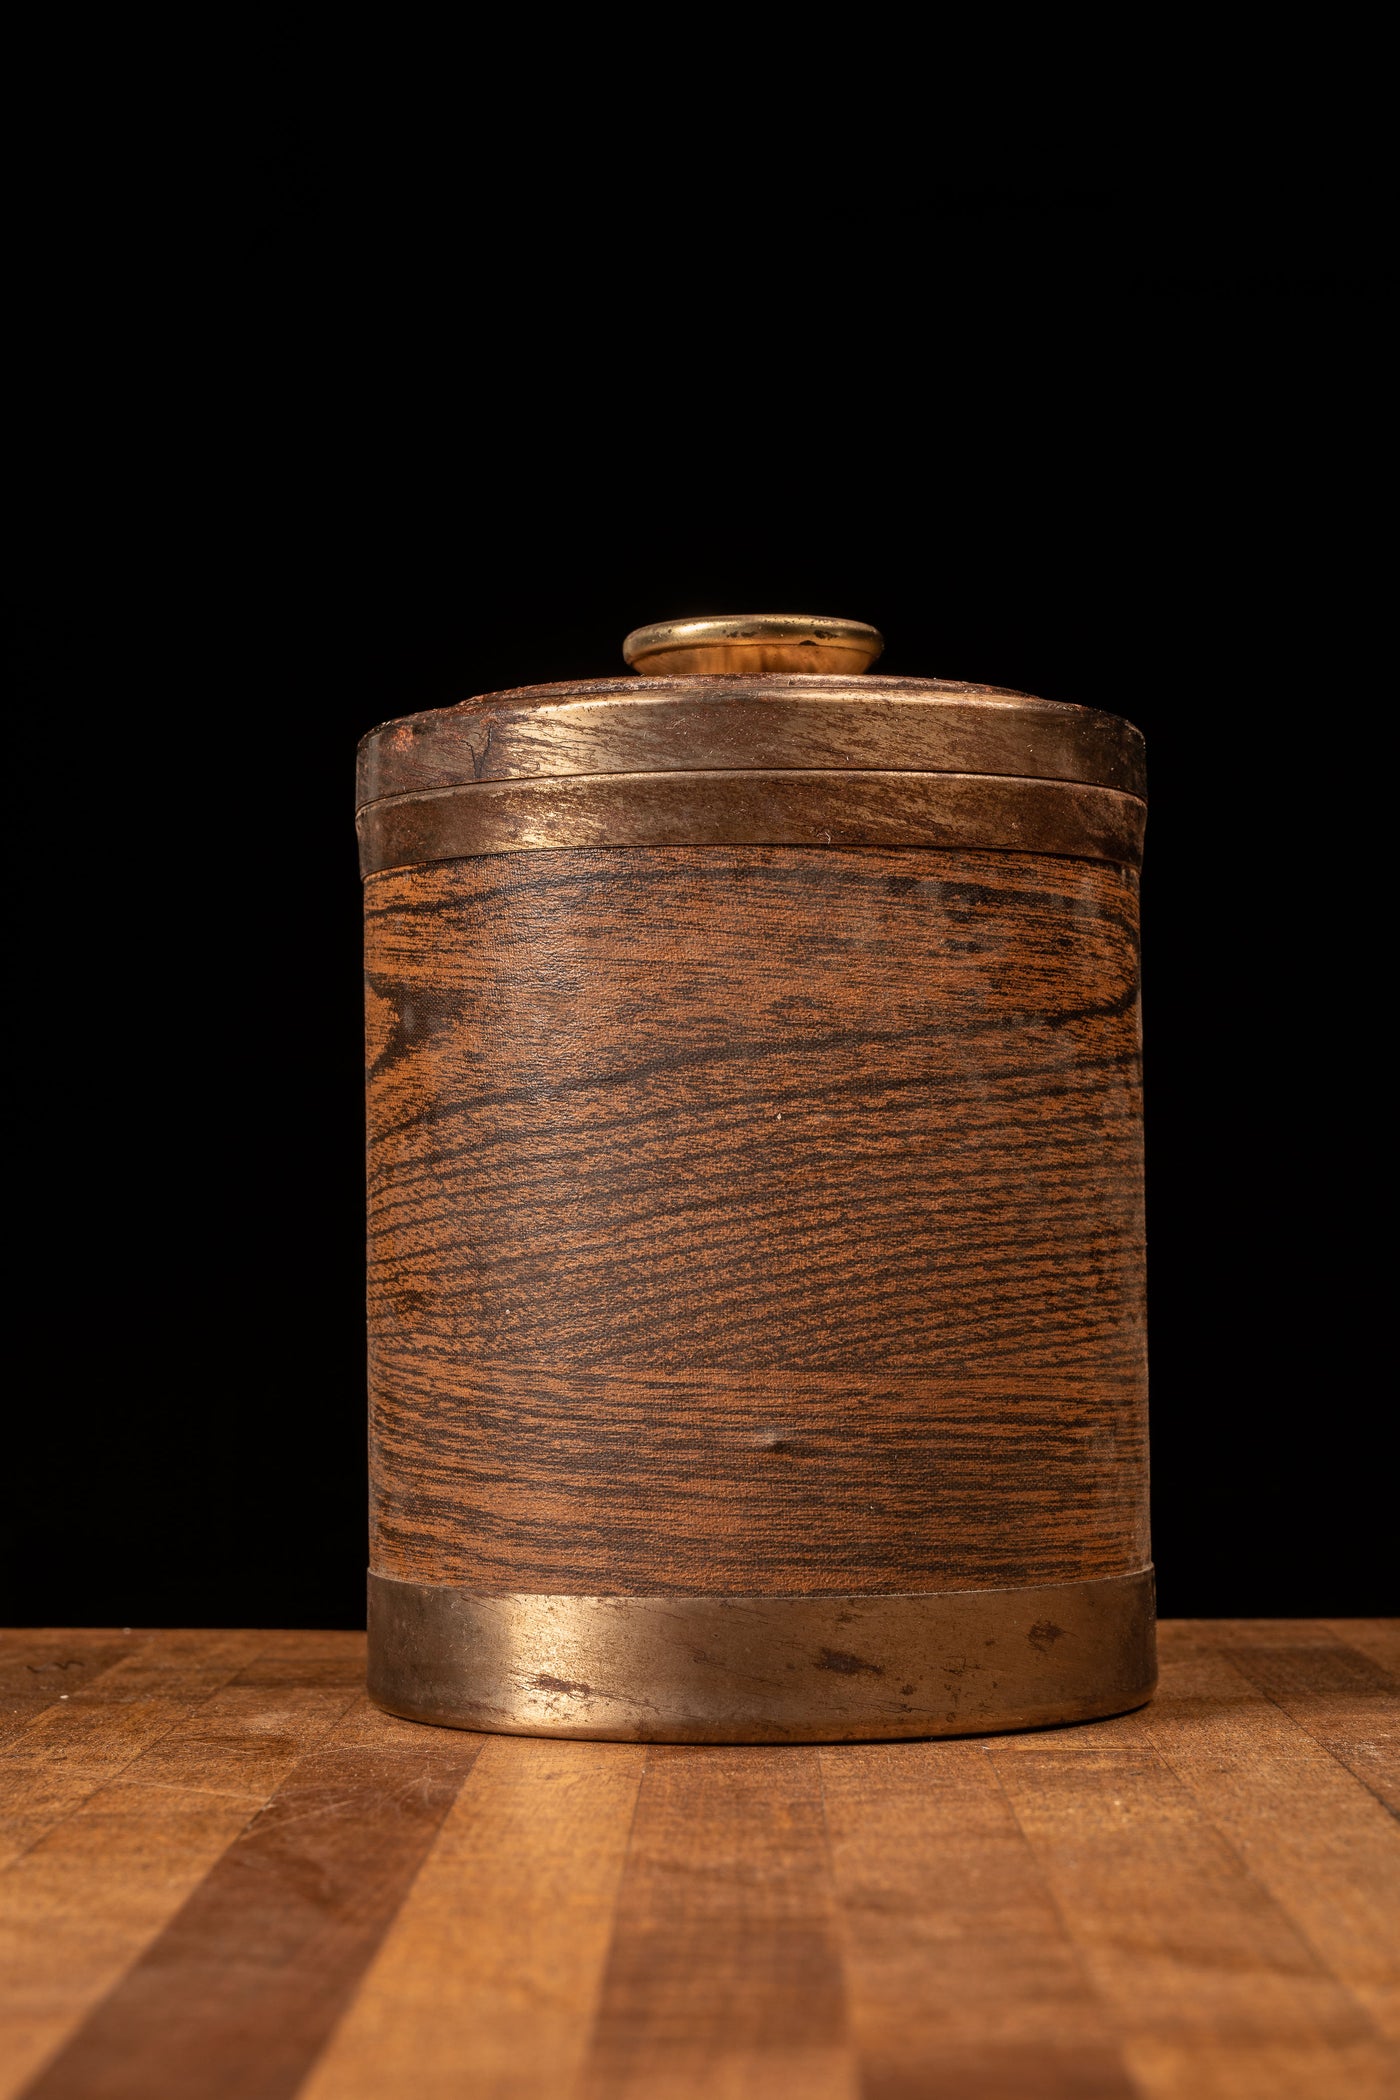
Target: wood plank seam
[
  {"x": 1077, "y": 1954},
  {"x": 1266, "y": 1895},
  {"x": 504, "y": 1984},
  {"x": 115, "y": 1774},
  {"x": 141, "y": 1836},
  {"x": 121, "y": 1773},
  {"x": 1155, "y": 1727},
  {"x": 68, "y": 1698},
  {"x": 252, "y": 1971},
  {"x": 14, "y": 1704},
  {"x": 1212, "y": 1874},
  {"x": 1360, "y": 1778}
]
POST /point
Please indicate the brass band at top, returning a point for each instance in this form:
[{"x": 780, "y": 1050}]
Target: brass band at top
[{"x": 749, "y": 644}]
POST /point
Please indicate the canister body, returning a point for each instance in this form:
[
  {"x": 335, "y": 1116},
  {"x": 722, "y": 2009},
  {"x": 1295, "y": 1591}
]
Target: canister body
[{"x": 756, "y": 1285}]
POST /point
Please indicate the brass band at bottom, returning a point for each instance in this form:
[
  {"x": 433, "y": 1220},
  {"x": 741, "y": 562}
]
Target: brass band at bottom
[{"x": 763, "y": 1669}]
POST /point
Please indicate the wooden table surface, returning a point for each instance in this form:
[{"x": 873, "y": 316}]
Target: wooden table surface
[{"x": 226, "y": 1874}]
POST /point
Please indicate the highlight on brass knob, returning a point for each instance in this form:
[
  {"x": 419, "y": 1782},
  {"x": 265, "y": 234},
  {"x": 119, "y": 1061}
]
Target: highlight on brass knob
[{"x": 738, "y": 643}]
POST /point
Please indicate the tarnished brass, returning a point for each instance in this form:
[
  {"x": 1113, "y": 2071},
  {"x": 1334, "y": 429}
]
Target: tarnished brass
[
  {"x": 732, "y": 644},
  {"x": 790, "y": 808},
  {"x": 763, "y": 1669},
  {"x": 676, "y": 725}
]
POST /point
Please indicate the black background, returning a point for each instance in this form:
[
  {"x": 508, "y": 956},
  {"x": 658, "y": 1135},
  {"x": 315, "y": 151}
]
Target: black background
[{"x": 300, "y": 472}]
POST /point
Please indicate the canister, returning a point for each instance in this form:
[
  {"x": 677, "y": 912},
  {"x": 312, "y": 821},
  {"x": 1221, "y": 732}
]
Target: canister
[{"x": 756, "y": 1252}]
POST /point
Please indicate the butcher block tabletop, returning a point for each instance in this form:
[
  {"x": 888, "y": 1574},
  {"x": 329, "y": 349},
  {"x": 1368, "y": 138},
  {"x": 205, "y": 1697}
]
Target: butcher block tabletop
[{"x": 226, "y": 1874}]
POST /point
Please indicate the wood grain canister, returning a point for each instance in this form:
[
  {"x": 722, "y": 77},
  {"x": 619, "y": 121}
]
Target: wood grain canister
[{"x": 757, "y": 1344}]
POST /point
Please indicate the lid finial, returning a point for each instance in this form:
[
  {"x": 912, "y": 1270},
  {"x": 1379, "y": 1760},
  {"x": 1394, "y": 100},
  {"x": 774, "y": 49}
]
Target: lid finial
[{"x": 740, "y": 643}]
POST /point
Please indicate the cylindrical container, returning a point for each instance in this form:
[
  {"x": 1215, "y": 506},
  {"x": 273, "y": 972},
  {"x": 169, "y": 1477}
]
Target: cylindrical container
[{"x": 755, "y": 1198}]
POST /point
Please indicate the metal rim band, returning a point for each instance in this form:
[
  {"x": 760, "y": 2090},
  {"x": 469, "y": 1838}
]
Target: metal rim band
[
  {"x": 716, "y": 725},
  {"x": 763, "y": 1669},
  {"x": 790, "y": 808}
]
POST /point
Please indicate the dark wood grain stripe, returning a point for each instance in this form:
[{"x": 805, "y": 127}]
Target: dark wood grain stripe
[
  {"x": 964, "y": 1982},
  {"x": 236, "y": 1998},
  {"x": 725, "y": 1972},
  {"x": 1345, "y": 1700}
]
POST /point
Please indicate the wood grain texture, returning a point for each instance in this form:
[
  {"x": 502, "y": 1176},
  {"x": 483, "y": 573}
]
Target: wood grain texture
[
  {"x": 756, "y": 1220},
  {"x": 39, "y": 1671},
  {"x": 1321, "y": 1845},
  {"x": 1378, "y": 1638},
  {"x": 1198, "y": 1901},
  {"x": 508, "y": 1981},
  {"x": 119, "y": 1804},
  {"x": 962, "y": 1980},
  {"x": 240, "y": 1992},
  {"x": 1176, "y": 1936},
  {"x": 1339, "y": 1695},
  {"x": 82, "y": 1741},
  {"x": 724, "y": 1975}
]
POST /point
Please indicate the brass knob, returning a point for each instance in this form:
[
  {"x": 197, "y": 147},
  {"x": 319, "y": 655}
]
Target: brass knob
[{"x": 752, "y": 642}]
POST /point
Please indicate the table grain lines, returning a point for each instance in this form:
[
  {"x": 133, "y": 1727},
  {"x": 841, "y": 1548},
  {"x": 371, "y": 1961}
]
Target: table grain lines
[{"x": 231, "y": 1876}]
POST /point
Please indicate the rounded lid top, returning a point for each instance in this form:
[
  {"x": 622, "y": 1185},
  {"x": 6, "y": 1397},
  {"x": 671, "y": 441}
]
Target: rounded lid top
[{"x": 736, "y": 644}]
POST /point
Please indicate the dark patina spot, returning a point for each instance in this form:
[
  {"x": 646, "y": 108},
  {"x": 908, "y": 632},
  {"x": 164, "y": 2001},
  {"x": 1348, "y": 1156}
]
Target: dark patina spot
[{"x": 846, "y": 1665}]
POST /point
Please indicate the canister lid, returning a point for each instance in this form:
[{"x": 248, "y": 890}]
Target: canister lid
[{"x": 764, "y": 729}]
